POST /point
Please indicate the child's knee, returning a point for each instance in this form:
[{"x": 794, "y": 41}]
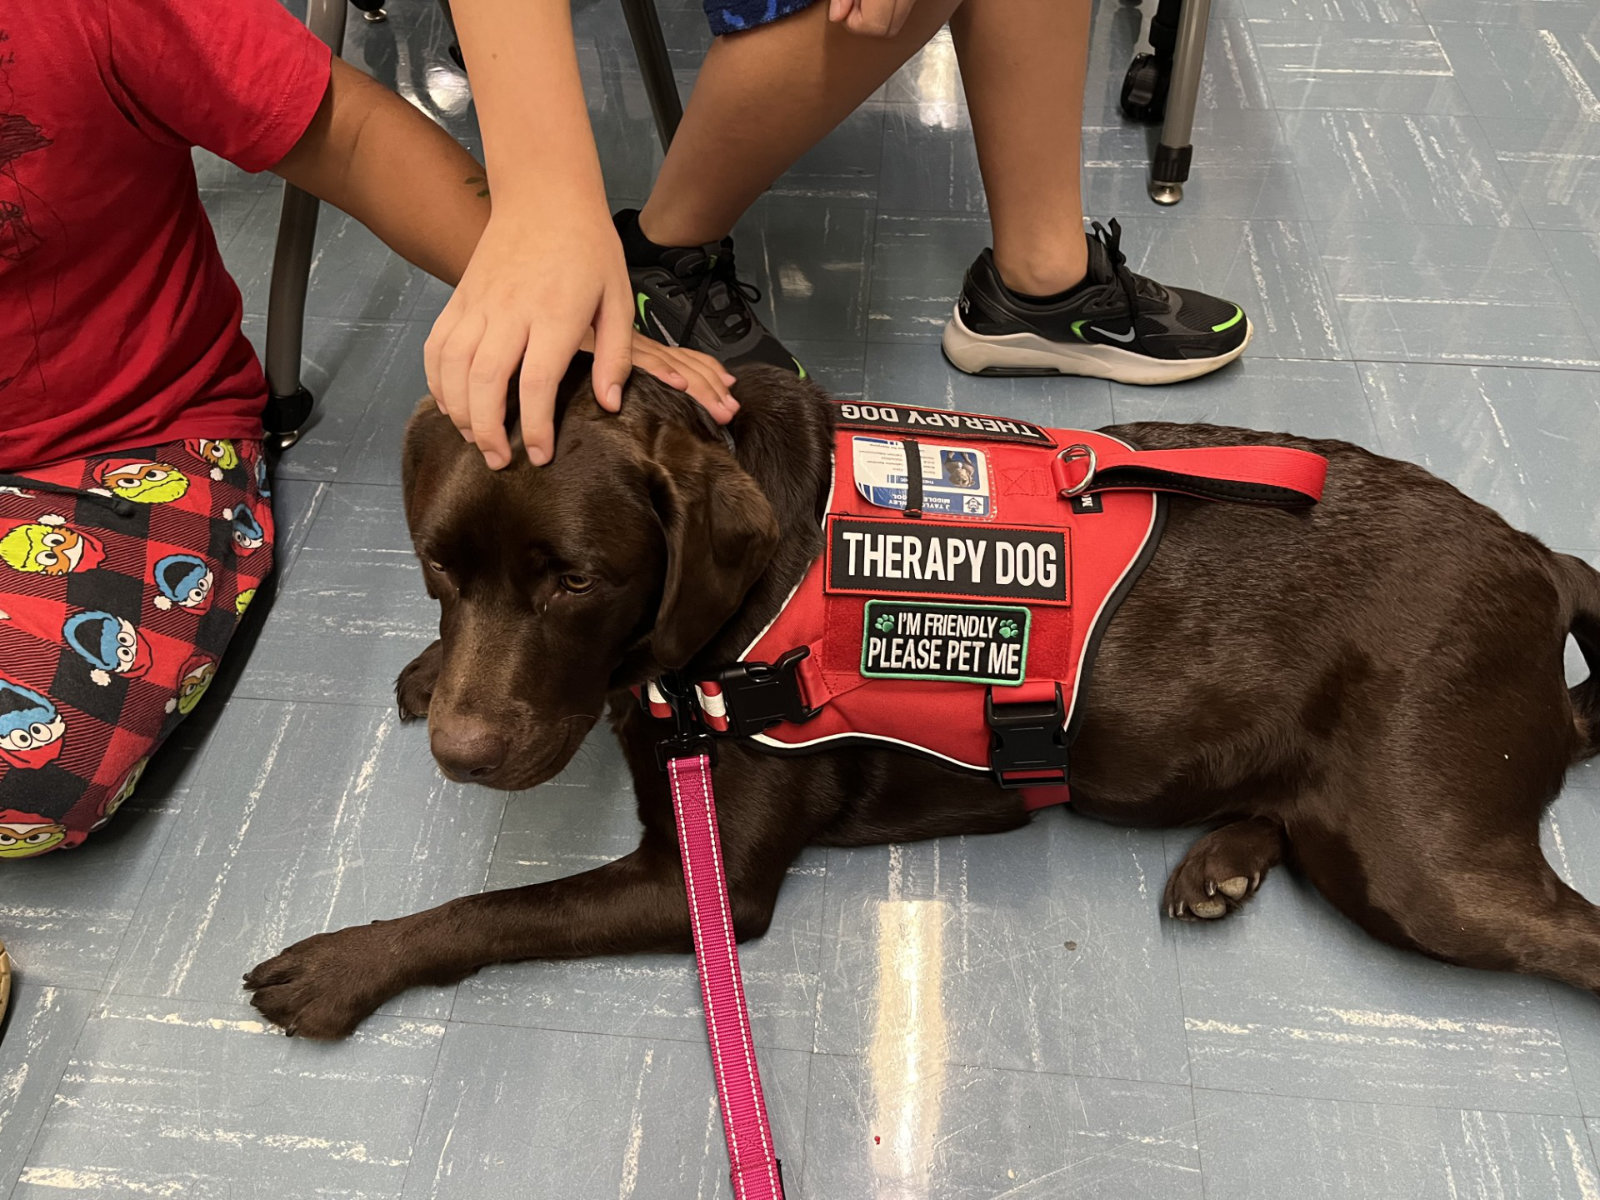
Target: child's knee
[{"x": 116, "y": 621}]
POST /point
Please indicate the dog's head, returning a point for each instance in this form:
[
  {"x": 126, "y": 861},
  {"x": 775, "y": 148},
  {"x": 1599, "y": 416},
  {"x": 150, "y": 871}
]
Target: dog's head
[{"x": 557, "y": 584}]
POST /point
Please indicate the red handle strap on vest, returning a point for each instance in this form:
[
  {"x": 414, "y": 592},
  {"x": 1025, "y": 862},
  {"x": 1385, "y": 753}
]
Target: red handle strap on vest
[{"x": 1270, "y": 476}]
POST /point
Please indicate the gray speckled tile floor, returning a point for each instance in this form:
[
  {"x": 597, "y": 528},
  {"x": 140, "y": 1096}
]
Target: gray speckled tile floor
[{"x": 1402, "y": 193}]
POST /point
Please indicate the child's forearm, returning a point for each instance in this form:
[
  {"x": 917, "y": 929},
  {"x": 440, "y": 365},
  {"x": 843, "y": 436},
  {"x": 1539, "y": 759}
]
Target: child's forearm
[
  {"x": 537, "y": 141},
  {"x": 373, "y": 155}
]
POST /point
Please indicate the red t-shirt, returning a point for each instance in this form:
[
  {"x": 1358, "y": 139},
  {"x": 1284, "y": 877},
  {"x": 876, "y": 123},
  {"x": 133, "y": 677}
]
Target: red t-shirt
[{"x": 119, "y": 326}]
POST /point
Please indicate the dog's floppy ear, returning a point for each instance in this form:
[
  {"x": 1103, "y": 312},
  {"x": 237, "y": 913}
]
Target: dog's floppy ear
[
  {"x": 720, "y": 533},
  {"x": 424, "y": 431}
]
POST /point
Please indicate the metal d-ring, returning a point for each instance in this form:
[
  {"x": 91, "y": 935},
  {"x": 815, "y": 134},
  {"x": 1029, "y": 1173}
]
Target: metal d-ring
[{"x": 1077, "y": 453}]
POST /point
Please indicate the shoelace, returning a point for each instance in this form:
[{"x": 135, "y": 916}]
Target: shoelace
[
  {"x": 722, "y": 297},
  {"x": 1133, "y": 286},
  {"x": 119, "y": 506}
]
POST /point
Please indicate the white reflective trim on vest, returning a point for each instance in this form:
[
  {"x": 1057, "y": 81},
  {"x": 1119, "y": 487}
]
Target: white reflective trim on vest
[
  {"x": 915, "y": 747},
  {"x": 712, "y": 706}
]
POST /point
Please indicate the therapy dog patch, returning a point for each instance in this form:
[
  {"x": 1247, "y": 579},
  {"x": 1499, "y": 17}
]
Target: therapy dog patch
[
  {"x": 942, "y": 558},
  {"x": 933, "y": 422},
  {"x": 962, "y": 643}
]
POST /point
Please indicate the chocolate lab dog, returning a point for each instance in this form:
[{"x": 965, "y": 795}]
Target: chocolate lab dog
[{"x": 1372, "y": 689}]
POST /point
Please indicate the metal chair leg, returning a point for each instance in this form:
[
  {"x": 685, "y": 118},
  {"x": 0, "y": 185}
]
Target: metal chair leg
[
  {"x": 289, "y": 404},
  {"x": 454, "y": 49},
  {"x": 1170, "y": 169},
  {"x": 1144, "y": 88},
  {"x": 644, "y": 26}
]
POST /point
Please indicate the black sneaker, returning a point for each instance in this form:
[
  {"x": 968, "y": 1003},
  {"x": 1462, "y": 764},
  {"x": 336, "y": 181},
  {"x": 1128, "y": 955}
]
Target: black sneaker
[
  {"x": 690, "y": 296},
  {"x": 1116, "y": 325}
]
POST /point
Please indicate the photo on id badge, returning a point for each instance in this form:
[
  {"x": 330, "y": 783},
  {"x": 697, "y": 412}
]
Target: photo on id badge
[{"x": 955, "y": 479}]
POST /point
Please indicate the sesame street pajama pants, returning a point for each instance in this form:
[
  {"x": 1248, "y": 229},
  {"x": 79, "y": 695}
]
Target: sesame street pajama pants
[{"x": 122, "y": 577}]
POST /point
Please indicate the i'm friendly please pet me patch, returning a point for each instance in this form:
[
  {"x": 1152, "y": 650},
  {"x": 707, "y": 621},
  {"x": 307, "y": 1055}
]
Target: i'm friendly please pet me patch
[{"x": 962, "y": 643}]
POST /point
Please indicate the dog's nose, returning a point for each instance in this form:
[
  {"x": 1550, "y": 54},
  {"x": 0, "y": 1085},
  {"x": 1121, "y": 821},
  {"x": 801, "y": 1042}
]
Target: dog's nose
[{"x": 466, "y": 747}]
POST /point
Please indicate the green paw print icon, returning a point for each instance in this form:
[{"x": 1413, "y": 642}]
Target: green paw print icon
[
  {"x": 1009, "y": 628},
  {"x": 884, "y": 623}
]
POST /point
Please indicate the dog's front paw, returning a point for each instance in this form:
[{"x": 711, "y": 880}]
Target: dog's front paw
[
  {"x": 328, "y": 984},
  {"x": 413, "y": 690}
]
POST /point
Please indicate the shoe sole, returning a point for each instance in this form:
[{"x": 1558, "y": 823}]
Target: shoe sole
[{"x": 1030, "y": 354}]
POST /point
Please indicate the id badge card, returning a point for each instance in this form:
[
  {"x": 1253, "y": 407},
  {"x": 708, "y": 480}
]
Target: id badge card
[{"x": 955, "y": 479}]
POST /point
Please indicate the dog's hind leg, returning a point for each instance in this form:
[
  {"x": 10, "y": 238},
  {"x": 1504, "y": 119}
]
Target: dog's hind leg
[
  {"x": 1223, "y": 869},
  {"x": 1458, "y": 890}
]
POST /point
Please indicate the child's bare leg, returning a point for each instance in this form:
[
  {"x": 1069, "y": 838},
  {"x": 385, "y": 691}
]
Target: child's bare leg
[
  {"x": 1023, "y": 64},
  {"x": 1045, "y": 301},
  {"x": 762, "y": 100}
]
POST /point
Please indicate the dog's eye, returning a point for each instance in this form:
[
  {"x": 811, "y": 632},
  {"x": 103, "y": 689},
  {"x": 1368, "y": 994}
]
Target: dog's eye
[
  {"x": 575, "y": 583},
  {"x": 435, "y": 566}
]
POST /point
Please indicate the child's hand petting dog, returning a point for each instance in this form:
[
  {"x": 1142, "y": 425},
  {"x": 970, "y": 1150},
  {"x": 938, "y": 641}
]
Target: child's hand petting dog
[
  {"x": 546, "y": 277},
  {"x": 702, "y": 376}
]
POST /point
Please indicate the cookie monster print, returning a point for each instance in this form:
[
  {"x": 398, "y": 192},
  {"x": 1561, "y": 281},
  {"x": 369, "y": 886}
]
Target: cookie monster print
[
  {"x": 109, "y": 644},
  {"x": 31, "y": 727},
  {"x": 49, "y": 546},
  {"x": 263, "y": 484},
  {"x": 120, "y": 581},
  {"x": 23, "y": 835},
  {"x": 247, "y": 532},
  {"x": 219, "y": 455},
  {"x": 141, "y": 481},
  {"x": 197, "y": 675},
  {"x": 183, "y": 580}
]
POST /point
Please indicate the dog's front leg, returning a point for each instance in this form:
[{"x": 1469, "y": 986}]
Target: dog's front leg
[
  {"x": 413, "y": 690},
  {"x": 324, "y": 986}
]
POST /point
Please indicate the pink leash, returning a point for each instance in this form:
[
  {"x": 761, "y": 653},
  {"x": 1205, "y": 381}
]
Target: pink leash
[{"x": 757, "y": 1173}]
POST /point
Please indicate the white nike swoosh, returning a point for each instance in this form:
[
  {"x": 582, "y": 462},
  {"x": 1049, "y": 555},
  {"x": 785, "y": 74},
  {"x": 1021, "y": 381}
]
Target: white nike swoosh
[
  {"x": 1115, "y": 337},
  {"x": 662, "y": 330}
]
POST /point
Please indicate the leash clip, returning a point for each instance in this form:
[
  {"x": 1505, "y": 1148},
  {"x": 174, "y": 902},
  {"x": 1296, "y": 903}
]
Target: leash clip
[{"x": 689, "y": 738}]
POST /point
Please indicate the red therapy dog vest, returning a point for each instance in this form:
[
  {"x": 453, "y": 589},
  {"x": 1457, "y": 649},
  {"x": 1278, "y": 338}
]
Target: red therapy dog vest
[{"x": 970, "y": 565}]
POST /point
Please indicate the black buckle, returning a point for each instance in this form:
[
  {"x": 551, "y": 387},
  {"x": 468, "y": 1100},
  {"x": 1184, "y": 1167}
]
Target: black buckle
[
  {"x": 761, "y": 695},
  {"x": 1027, "y": 737},
  {"x": 689, "y": 737}
]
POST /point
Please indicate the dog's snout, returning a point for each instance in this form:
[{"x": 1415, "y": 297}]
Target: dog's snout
[{"x": 467, "y": 747}]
